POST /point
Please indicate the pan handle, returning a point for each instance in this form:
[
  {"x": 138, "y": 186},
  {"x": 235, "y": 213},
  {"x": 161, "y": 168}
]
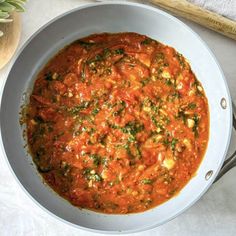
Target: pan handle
[{"x": 231, "y": 161}]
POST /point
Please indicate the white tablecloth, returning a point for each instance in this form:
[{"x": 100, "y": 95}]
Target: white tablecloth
[
  {"x": 214, "y": 214},
  {"x": 226, "y": 8}
]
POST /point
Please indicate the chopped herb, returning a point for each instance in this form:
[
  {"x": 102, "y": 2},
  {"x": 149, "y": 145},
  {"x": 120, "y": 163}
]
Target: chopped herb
[
  {"x": 97, "y": 177},
  {"x": 176, "y": 94},
  {"x": 122, "y": 105},
  {"x": 173, "y": 143},
  {"x": 57, "y": 136},
  {"x": 147, "y": 202},
  {"x": 48, "y": 76},
  {"x": 168, "y": 179},
  {"x": 86, "y": 171},
  {"x": 127, "y": 148},
  {"x": 95, "y": 111},
  {"x": 167, "y": 120},
  {"x": 93, "y": 62},
  {"x": 84, "y": 129},
  {"x": 132, "y": 128},
  {"x": 50, "y": 128},
  {"x": 77, "y": 133},
  {"x": 173, "y": 96},
  {"x": 106, "y": 52},
  {"x": 127, "y": 83},
  {"x": 39, "y": 153},
  {"x": 38, "y": 119},
  {"x": 132, "y": 162},
  {"x": 156, "y": 123},
  {"x": 145, "y": 81},
  {"x": 83, "y": 76},
  {"x": 96, "y": 159},
  {"x": 172, "y": 192},
  {"x": 89, "y": 176},
  {"x": 113, "y": 126},
  {"x": 192, "y": 106},
  {"x": 53, "y": 99},
  {"x": 196, "y": 85},
  {"x": 166, "y": 142},
  {"x": 180, "y": 58},
  {"x": 76, "y": 109},
  {"x": 104, "y": 161},
  {"x": 38, "y": 158},
  {"x": 133, "y": 150},
  {"x": 160, "y": 56},
  {"x": 168, "y": 81},
  {"x": 119, "y": 51},
  {"x": 65, "y": 168},
  {"x": 146, "y": 181},
  {"x": 138, "y": 151},
  {"x": 44, "y": 169},
  {"x": 150, "y": 104},
  {"x": 89, "y": 142},
  {"x": 160, "y": 70},
  {"x": 182, "y": 115},
  {"x": 166, "y": 64},
  {"x": 102, "y": 139},
  {"x": 98, "y": 57},
  {"x": 41, "y": 129},
  {"x": 196, "y": 123},
  {"x": 146, "y": 41},
  {"x": 131, "y": 138},
  {"x": 91, "y": 131},
  {"x": 111, "y": 205},
  {"x": 108, "y": 71}
]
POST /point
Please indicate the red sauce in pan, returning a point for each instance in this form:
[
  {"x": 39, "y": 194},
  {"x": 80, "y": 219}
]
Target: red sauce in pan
[{"x": 117, "y": 123}]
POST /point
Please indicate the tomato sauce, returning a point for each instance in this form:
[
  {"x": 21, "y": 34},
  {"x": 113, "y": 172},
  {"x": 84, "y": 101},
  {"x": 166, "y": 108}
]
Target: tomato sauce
[{"x": 117, "y": 123}]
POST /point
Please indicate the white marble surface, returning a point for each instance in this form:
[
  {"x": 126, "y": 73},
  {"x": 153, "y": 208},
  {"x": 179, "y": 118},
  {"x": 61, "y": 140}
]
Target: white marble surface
[{"x": 214, "y": 214}]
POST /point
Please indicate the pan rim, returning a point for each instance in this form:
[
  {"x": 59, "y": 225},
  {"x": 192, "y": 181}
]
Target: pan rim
[{"x": 225, "y": 84}]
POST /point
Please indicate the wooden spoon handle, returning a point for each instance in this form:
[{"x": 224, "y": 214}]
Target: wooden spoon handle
[
  {"x": 9, "y": 41},
  {"x": 199, "y": 15}
]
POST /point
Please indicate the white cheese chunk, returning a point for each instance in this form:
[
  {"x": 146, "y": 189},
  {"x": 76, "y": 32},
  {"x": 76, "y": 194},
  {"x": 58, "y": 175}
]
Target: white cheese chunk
[{"x": 168, "y": 163}]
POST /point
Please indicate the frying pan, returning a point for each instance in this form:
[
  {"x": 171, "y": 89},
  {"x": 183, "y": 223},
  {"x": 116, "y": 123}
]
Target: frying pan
[{"x": 115, "y": 17}]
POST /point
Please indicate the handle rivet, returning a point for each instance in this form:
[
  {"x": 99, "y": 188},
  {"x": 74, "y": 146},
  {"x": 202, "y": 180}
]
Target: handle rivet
[
  {"x": 208, "y": 174},
  {"x": 223, "y": 103}
]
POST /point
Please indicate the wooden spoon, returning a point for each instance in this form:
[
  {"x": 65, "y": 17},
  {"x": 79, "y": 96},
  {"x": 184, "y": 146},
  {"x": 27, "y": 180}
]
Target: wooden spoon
[{"x": 10, "y": 40}]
